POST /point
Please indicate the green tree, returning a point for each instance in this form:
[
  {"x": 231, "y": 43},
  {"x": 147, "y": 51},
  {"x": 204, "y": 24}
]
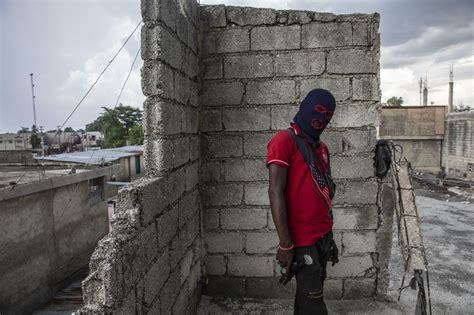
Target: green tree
[
  {"x": 24, "y": 130},
  {"x": 135, "y": 135},
  {"x": 395, "y": 101},
  {"x": 69, "y": 129},
  {"x": 115, "y": 123}
]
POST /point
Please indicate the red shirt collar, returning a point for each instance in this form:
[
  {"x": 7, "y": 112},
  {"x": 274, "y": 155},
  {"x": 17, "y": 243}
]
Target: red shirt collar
[{"x": 296, "y": 129}]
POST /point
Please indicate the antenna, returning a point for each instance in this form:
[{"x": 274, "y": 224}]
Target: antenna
[
  {"x": 451, "y": 89},
  {"x": 425, "y": 91},
  {"x": 421, "y": 88},
  {"x": 33, "y": 97}
]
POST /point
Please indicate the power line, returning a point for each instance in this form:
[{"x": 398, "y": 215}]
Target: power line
[
  {"x": 128, "y": 76},
  {"x": 98, "y": 78}
]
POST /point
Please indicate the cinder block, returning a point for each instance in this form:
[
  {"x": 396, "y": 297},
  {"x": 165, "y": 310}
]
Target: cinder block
[
  {"x": 333, "y": 139},
  {"x": 298, "y": 17},
  {"x": 169, "y": 292},
  {"x": 182, "y": 88},
  {"x": 275, "y": 37},
  {"x": 191, "y": 120},
  {"x": 245, "y": 170},
  {"x": 192, "y": 176},
  {"x": 365, "y": 89},
  {"x": 270, "y": 288},
  {"x": 359, "y": 192},
  {"x": 213, "y": 93},
  {"x": 185, "y": 265},
  {"x": 359, "y": 141},
  {"x": 300, "y": 63},
  {"x": 212, "y": 171},
  {"x": 225, "y": 286},
  {"x": 150, "y": 37},
  {"x": 324, "y": 17},
  {"x": 347, "y": 116},
  {"x": 215, "y": 265},
  {"x": 250, "y": 16},
  {"x": 156, "y": 277},
  {"x": 253, "y": 66},
  {"x": 223, "y": 195},
  {"x": 246, "y": 119},
  {"x": 256, "y": 194},
  {"x": 282, "y": 116},
  {"x": 350, "y": 266},
  {"x": 188, "y": 206},
  {"x": 180, "y": 151},
  {"x": 316, "y": 35},
  {"x": 225, "y": 41},
  {"x": 152, "y": 198},
  {"x": 171, "y": 50},
  {"x": 271, "y": 92},
  {"x": 213, "y": 15},
  {"x": 162, "y": 118},
  {"x": 255, "y": 144},
  {"x": 351, "y": 61},
  {"x": 181, "y": 302},
  {"x": 340, "y": 87},
  {"x": 352, "y": 166},
  {"x": 211, "y": 219},
  {"x": 155, "y": 10},
  {"x": 359, "y": 242},
  {"x": 194, "y": 151},
  {"x": 360, "y": 34},
  {"x": 157, "y": 80},
  {"x": 261, "y": 242},
  {"x": 250, "y": 266},
  {"x": 243, "y": 219},
  {"x": 195, "y": 277},
  {"x": 176, "y": 185},
  {"x": 212, "y": 68},
  {"x": 332, "y": 289},
  {"x": 226, "y": 146},
  {"x": 359, "y": 288},
  {"x": 211, "y": 120},
  {"x": 167, "y": 225},
  {"x": 361, "y": 218},
  {"x": 228, "y": 242}
]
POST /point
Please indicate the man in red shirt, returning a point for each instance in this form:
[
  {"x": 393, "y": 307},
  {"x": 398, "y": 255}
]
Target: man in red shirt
[{"x": 300, "y": 198}]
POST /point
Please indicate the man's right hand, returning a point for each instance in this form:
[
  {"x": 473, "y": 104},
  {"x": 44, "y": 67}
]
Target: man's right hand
[{"x": 285, "y": 257}]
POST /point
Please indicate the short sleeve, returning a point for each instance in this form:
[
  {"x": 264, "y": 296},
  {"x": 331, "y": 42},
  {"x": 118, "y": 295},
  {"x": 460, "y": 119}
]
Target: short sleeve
[{"x": 280, "y": 149}]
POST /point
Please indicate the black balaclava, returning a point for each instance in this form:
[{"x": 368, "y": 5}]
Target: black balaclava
[{"x": 316, "y": 110}]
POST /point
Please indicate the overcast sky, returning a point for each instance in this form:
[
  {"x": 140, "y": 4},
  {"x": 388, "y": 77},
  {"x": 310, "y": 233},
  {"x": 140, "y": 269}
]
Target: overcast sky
[{"x": 66, "y": 43}]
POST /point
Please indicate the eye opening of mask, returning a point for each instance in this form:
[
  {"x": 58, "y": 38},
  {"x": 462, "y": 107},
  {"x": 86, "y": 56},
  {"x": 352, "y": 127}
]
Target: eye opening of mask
[
  {"x": 317, "y": 124},
  {"x": 319, "y": 108}
]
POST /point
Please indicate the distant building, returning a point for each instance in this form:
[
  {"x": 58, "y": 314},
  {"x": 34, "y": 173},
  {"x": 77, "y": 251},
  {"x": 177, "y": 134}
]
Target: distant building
[
  {"x": 130, "y": 159},
  {"x": 15, "y": 141},
  {"x": 92, "y": 140},
  {"x": 458, "y": 146},
  {"x": 419, "y": 130}
]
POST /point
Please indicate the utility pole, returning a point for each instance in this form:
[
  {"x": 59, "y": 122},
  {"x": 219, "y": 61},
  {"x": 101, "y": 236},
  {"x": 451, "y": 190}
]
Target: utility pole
[
  {"x": 33, "y": 97},
  {"x": 451, "y": 87}
]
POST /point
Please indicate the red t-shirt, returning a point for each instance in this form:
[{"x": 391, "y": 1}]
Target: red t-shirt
[{"x": 308, "y": 214}]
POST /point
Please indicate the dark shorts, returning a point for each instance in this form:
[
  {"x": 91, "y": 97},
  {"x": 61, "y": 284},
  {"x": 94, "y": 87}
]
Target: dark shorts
[{"x": 310, "y": 279}]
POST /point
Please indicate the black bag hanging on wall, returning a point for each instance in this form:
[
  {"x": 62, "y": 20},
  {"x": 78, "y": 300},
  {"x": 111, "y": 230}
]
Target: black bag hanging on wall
[{"x": 382, "y": 158}]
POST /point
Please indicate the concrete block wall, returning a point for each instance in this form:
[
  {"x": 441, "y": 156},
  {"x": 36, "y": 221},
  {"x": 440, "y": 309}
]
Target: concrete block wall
[
  {"x": 151, "y": 261},
  {"x": 257, "y": 65}
]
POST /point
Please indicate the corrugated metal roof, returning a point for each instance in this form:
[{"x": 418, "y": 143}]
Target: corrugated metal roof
[{"x": 95, "y": 157}]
